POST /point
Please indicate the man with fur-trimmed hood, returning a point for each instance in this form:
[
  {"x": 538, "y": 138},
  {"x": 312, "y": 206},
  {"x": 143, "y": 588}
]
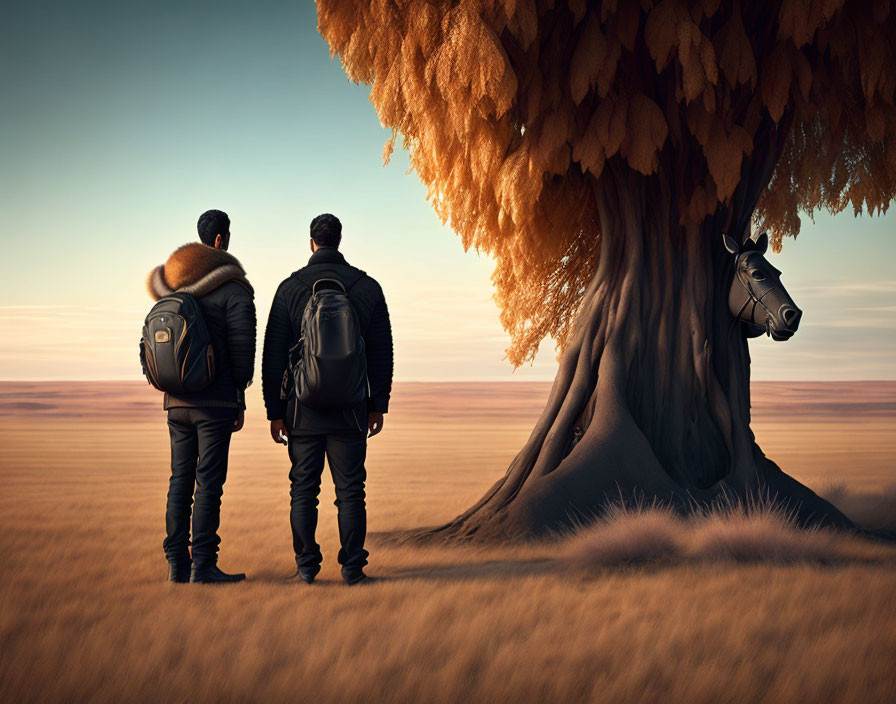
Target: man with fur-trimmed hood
[{"x": 200, "y": 424}]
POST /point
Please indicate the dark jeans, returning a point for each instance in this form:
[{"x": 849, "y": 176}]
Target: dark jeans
[
  {"x": 345, "y": 453},
  {"x": 200, "y": 441}
]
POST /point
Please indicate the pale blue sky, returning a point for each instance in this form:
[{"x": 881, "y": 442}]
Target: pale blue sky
[{"x": 121, "y": 122}]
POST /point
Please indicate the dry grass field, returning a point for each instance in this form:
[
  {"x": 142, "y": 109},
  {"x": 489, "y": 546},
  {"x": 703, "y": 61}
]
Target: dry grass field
[{"x": 86, "y": 615}]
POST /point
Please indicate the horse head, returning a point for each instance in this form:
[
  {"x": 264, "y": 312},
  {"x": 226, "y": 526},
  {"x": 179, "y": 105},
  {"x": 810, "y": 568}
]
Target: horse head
[{"x": 757, "y": 297}]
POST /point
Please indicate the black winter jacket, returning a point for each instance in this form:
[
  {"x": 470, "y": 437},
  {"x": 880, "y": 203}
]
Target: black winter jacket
[
  {"x": 218, "y": 282},
  {"x": 284, "y": 329}
]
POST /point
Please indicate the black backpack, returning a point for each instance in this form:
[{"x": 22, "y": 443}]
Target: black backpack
[
  {"x": 176, "y": 349},
  {"x": 328, "y": 365}
]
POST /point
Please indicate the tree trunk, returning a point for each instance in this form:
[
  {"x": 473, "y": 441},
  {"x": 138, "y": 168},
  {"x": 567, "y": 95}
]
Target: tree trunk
[{"x": 652, "y": 398}]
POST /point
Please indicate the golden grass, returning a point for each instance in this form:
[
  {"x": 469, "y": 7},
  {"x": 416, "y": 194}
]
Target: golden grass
[
  {"x": 628, "y": 535},
  {"x": 760, "y": 532},
  {"x": 86, "y": 615}
]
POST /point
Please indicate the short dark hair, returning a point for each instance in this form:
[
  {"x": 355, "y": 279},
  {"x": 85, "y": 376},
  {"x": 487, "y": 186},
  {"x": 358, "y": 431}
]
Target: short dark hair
[
  {"x": 211, "y": 224},
  {"x": 326, "y": 230}
]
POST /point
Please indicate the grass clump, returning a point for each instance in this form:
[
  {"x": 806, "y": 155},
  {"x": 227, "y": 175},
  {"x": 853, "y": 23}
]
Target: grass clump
[
  {"x": 741, "y": 532},
  {"x": 763, "y": 533},
  {"x": 627, "y": 535}
]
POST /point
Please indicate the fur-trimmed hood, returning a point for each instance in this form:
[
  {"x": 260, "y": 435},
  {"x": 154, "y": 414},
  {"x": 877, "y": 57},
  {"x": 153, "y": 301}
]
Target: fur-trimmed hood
[{"x": 196, "y": 269}]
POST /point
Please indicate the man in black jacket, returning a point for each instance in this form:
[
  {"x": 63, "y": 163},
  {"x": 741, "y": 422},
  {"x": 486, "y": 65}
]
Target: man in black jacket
[
  {"x": 200, "y": 424},
  {"x": 340, "y": 434}
]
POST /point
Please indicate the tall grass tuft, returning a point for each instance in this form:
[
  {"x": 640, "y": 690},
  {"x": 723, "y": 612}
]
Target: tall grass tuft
[
  {"x": 753, "y": 531},
  {"x": 761, "y": 533},
  {"x": 629, "y": 535}
]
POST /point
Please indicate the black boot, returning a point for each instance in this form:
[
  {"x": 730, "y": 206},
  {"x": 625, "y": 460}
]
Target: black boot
[
  {"x": 306, "y": 574},
  {"x": 212, "y": 575},
  {"x": 179, "y": 570},
  {"x": 355, "y": 576}
]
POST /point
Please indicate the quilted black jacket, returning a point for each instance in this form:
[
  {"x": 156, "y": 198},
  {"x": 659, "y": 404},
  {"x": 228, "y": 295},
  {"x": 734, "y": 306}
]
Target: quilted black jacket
[{"x": 284, "y": 329}]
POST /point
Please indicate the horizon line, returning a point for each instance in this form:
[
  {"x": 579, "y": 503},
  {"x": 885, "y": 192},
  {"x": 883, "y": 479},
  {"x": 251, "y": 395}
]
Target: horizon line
[{"x": 438, "y": 381}]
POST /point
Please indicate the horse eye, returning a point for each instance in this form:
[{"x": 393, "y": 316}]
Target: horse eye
[{"x": 758, "y": 275}]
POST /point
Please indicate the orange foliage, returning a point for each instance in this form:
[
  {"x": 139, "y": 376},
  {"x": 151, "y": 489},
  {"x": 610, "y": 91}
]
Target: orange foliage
[{"x": 511, "y": 110}]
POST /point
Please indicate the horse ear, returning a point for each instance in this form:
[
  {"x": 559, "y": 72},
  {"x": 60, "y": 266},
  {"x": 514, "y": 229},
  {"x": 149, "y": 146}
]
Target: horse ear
[
  {"x": 730, "y": 244},
  {"x": 761, "y": 244}
]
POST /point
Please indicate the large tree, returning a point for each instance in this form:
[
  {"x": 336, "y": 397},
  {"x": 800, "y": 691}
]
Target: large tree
[{"x": 598, "y": 151}]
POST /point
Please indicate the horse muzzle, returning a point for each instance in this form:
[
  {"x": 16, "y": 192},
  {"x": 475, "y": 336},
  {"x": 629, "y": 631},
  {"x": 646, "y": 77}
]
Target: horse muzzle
[{"x": 786, "y": 323}]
